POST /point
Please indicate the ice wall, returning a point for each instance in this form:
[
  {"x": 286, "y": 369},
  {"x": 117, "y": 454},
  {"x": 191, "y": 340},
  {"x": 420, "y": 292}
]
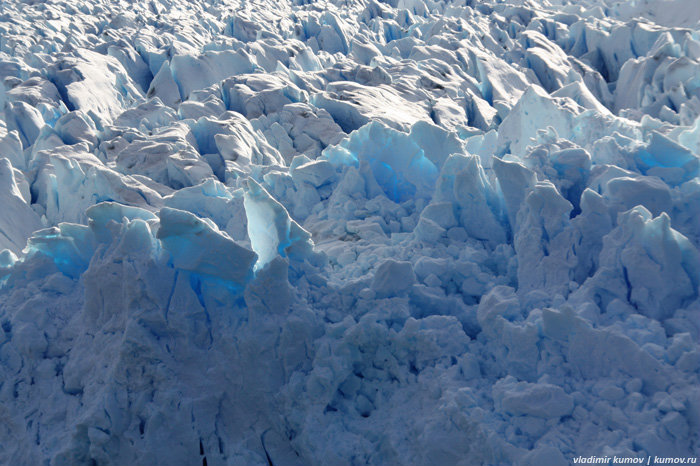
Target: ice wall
[{"x": 406, "y": 232}]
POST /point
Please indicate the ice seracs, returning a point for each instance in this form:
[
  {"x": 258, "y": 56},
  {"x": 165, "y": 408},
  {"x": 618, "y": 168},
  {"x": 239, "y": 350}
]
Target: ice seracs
[{"x": 359, "y": 232}]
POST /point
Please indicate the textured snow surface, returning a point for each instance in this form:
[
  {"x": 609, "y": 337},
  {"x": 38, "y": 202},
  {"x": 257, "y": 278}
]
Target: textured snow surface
[{"x": 348, "y": 232}]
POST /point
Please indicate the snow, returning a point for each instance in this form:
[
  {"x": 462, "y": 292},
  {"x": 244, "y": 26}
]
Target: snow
[{"x": 408, "y": 232}]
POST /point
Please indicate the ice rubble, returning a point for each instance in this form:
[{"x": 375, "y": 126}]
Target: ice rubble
[{"x": 402, "y": 232}]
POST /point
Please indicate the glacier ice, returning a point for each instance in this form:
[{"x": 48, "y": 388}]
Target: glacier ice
[
  {"x": 349, "y": 232},
  {"x": 19, "y": 219}
]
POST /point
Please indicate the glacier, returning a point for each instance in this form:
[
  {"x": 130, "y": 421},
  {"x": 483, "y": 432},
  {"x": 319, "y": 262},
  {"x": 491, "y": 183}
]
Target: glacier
[{"x": 349, "y": 232}]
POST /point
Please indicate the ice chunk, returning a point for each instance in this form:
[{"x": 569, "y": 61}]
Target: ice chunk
[
  {"x": 595, "y": 353},
  {"x": 101, "y": 215},
  {"x": 594, "y": 222},
  {"x": 191, "y": 73},
  {"x": 242, "y": 28},
  {"x": 199, "y": 247},
  {"x": 273, "y": 276},
  {"x": 547, "y": 60},
  {"x": 211, "y": 105},
  {"x": 212, "y": 200},
  {"x": 42, "y": 95},
  {"x": 47, "y": 139},
  {"x": 464, "y": 184},
  {"x": 668, "y": 160},
  {"x": 166, "y": 157},
  {"x": 397, "y": 163},
  {"x": 353, "y": 105},
  {"x": 232, "y": 136},
  {"x": 75, "y": 127},
  {"x": 535, "y": 110},
  {"x": 164, "y": 87},
  {"x": 479, "y": 112},
  {"x": 299, "y": 128},
  {"x": 431, "y": 340},
  {"x": 132, "y": 62},
  {"x": 573, "y": 165},
  {"x": 547, "y": 454},
  {"x": 11, "y": 149},
  {"x": 333, "y": 34},
  {"x": 148, "y": 116},
  {"x": 648, "y": 264},
  {"x": 36, "y": 92},
  {"x": 441, "y": 213},
  {"x": 650, "y": 192},
  {"x": 530, "y": 399},
  {"x": 428, "y": 230},
  {"x": 254, "y": 95},
  {"x": 499, "y": 304},
  {"x": 70, "y": 246},
  {"x": 25, "y": 119},
  {"x": 70, "y": 180},
  {"x": 690, "y": 137},
  {"x": 18, "y": 220},
  {"x": 498, "y": 82},
  {"x": 544, "y": 240},
  {"x": 316, "y": 173},
  {"x": 7, "y": 260},
  {"x": 515, "y": 181},
  {"x": 579, "y": 93},
  {"x": 270, "y": 229},
  {"x": 437, "y": 144},
  {"x": 393, "y": 278},
  {"x": 94, "y": 83}
]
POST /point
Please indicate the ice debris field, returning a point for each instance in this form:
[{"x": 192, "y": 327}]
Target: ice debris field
[{"x": 401, "y": 232}]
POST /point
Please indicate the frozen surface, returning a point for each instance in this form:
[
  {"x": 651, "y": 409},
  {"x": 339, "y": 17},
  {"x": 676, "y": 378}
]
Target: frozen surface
[{"x": 349, "y": 232}]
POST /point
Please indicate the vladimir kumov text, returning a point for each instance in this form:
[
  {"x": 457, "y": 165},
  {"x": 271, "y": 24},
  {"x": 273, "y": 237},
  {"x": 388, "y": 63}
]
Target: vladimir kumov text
[{"x": 649, "y": 460}]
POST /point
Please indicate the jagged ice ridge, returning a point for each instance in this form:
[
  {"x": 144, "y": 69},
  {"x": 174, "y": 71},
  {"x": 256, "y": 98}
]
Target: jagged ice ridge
[{"x": 349, "y": 232}]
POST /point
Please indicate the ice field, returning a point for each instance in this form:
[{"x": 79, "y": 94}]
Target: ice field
[{"x": 348, "y": 232}]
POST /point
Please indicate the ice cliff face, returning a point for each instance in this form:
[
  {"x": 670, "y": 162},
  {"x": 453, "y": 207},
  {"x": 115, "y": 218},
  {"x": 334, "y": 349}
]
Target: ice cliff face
[{"x": 351, "y": 232}]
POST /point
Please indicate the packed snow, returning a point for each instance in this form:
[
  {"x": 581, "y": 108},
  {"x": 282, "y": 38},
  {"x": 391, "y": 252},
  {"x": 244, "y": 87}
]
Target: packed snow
[{"x": 349, "y": 232}]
